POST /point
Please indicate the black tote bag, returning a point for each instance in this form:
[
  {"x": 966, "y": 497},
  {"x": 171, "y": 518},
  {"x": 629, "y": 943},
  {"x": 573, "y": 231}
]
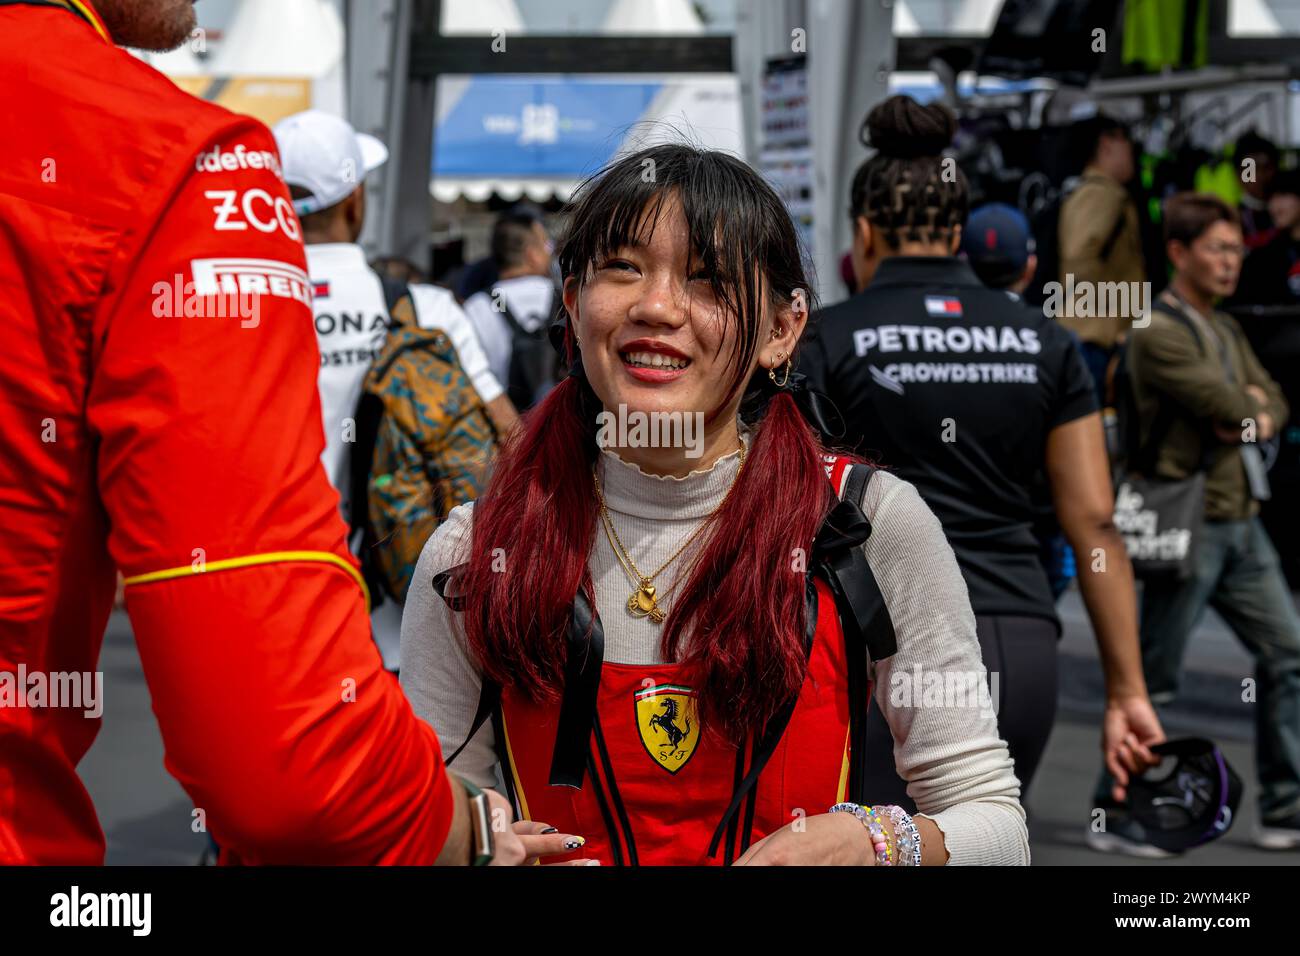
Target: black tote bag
[{"x": 1160, "y": 522}]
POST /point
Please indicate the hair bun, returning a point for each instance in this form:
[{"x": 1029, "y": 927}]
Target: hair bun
[{"x": 901, "y": 128}]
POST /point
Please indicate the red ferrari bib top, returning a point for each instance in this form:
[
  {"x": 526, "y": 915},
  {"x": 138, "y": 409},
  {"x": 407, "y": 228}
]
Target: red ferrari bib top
[{"x": 656, "y": 788}]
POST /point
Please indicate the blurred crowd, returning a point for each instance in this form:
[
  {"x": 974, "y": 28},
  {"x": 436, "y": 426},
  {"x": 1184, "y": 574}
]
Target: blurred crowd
[{"x": 1191, "y": 345}]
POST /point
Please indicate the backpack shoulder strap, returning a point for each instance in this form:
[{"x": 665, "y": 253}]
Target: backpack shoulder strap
[
  {"x": 517, "y": 327},
  {"x": 394, "y": 291},
  {"x": 1108, "y": 246},
  {"x": 489, "y": 700},
  {"x": 489, "y": 697},
  {"x": 502, "y": 307},
  {"x": 1166, "y": 415},
  {"x": 1164, "y": 308},
  {"x": 855, "y": 485},
  {"x": 864, "y": 619}
]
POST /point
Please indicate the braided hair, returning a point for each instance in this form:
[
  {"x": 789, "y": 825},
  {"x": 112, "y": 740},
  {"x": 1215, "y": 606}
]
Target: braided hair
[{"x": 906, "y": 190}]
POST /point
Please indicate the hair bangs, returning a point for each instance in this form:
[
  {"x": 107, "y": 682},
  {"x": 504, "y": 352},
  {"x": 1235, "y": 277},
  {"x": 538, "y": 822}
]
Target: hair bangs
[{"x": 729, "y": 224}]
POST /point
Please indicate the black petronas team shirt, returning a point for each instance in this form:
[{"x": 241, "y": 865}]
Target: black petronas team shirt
[{"x": 954, "y": 387}]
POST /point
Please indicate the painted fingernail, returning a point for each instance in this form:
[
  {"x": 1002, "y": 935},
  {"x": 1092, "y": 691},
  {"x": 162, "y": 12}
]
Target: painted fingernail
[
  {"x": 572, "y": 843},
  {"x": 550, "y": 830},
  {"x": 592, "y": 863}
]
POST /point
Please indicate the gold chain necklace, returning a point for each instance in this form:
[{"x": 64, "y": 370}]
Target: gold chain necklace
[{"x": 642, "y": 602}]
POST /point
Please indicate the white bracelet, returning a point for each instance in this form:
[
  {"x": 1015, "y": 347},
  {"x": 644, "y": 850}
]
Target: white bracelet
[{"x": 907, "y": 836}]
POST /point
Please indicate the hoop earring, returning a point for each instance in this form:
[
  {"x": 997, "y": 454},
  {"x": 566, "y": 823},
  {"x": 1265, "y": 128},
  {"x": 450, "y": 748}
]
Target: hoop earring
[{"x": 771, "y": 372}]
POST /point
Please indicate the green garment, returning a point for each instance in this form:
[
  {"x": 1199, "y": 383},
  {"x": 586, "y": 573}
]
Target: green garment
[
  {"x": 1222, "y": 178},
  {"x": 1154, "y": 33}
]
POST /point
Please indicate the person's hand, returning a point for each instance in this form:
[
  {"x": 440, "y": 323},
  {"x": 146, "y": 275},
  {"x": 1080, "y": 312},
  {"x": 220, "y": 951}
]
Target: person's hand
[
  {"x": 828, "y": 839},
  {"x": 1227, "y": 434},
  {"x": 540, "y": 839},
  {"x": 509, "y": 849},
  {"x": 1266, "y": 428},
  {"x": 1129, "y": 728},
  {"x": 1258, "y": 394}
]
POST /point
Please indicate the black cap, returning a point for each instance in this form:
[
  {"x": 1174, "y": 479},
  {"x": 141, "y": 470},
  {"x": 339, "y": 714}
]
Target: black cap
[{"x": 1192, "y": 802}]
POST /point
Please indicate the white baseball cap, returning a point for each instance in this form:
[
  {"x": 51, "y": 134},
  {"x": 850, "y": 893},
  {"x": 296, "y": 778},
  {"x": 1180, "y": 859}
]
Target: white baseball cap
[{"x": 323, "y": 154}]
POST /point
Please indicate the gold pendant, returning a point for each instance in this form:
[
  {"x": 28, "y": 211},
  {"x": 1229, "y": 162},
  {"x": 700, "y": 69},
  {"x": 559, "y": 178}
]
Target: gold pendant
[{"x": 642, "y": 603}]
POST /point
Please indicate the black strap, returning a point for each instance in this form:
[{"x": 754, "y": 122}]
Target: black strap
[
  {"x": 749, "y": 807},
  {"x": 729, "y": 854},
  {"x": 615, "y": 844},
  {"x": 500, "y": 303},
  {"x": 1166, "y": 412},
  {"x": 771, "y": 735},
  {"x": 446, "y": 581},
  {"x": 855, "y": 485},
  {"x": 489, "y": 695},
  {"x": 864, "y": 618},
  {"x": 489, "y": 700},
  {"x": 766, "y": 747},
  {"x": 585, "y": 640},
  {"x": 615, "y": 797},
  {"x": 503, "y": 758},
  {"x": 862, "y": 645},
  {"x": 395, "y": 290},
  {"x": 857, "y": 593},
  {"x": 1108, "y": 246},
  {"x": 856, "y": 660}
]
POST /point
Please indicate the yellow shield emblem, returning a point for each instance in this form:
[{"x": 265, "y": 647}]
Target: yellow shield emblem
[{"x": 665, "y": 718}]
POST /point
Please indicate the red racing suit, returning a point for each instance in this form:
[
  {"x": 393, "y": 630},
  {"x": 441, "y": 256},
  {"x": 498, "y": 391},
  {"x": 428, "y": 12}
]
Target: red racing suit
[{"x": 160, "y": 416}]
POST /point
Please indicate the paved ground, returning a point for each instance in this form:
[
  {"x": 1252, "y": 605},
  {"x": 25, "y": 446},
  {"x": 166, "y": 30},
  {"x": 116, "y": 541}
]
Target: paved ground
[
  {"x": 146, "y": 815},
  {"x": 1210, "y": 705}
]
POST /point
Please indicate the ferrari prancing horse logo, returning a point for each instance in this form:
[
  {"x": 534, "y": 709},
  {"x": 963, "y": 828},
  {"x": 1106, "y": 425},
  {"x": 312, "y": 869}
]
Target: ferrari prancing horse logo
[{"x": 665, "y": 718}]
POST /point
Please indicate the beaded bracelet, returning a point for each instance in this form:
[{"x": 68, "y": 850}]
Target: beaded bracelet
[
  {"x": 908, "y": 836},
  {"x": 868, "y": 817}
]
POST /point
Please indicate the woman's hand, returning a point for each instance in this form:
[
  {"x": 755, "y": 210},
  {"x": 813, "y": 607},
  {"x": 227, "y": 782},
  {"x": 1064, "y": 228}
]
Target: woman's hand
[
  {"x": 540, "y": 839},
  {"x": 828, "y": 839},
  {"x": 1129, "y": 728},
  {"x": 507, "y": 847}
]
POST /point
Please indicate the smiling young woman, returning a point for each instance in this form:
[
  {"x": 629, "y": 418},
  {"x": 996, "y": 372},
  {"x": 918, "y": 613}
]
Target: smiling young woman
[{"x": 670, "y": 652}]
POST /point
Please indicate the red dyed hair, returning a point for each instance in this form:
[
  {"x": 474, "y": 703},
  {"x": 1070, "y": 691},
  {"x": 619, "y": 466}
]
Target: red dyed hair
[
  {"x": 738, "y": 619},
  {"x": 737, "y": 622}
]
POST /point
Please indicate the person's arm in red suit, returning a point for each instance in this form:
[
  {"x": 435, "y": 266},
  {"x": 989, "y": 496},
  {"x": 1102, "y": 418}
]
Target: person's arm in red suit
[{"x": 277, "y": 716}]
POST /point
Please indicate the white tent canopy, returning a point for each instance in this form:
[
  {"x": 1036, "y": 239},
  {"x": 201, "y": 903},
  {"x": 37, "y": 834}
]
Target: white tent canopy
[
  {"x": 178, "y": 62},
  {"x": 281, "y": 38},
  {"x": 481, "y": 16},
  {"x": 540, "y": 136},
  {"x": 1252, "y": 18},
  {"x": 646, "y": 17}
]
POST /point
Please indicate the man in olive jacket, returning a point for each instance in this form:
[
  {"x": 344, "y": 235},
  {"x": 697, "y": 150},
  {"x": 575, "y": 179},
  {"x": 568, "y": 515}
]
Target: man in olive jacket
[
  {"x": 1194, "y": 368},
  {"x": 1101, "y": 243}
]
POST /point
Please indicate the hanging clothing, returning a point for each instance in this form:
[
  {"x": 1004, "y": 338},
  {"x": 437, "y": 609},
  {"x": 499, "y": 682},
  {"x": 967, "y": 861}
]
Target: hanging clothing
[
  {"x": 1220, "y": 177},
  {"x": 1165, "y": 33}
]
